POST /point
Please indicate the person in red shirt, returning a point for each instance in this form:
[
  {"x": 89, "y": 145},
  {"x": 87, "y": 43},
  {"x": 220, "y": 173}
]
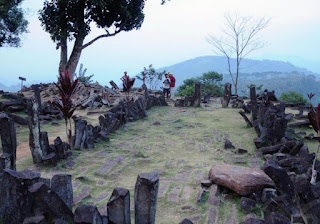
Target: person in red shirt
[{"x": 172, "y": 85}]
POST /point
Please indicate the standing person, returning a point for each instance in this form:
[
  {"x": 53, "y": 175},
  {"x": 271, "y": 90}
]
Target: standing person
[
  {"x": 172, "y": 85},
  {"x": 166, "y": 86}
]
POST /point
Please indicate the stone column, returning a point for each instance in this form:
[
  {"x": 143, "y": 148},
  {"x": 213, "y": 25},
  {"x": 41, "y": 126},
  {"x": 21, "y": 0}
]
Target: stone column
[
  {"x": 37, "y": 96},
  {"x": 197, "y": 94},
  {"x": 119, "y": 206},
  {"x": 34, "y": 131},
  {"x": 87, "y": 214},
  {"x": 62, "y": 185},
  {"x": 80, "y": 133},
  {"x": 44, "y": 143},
  {"x": 8, "y": 138},
  {"x": 5, "y": 162},
  {"x": 145, "y": 198},
  {"x": 227, "y": 95},
  {"x": 254, "y": 106}
]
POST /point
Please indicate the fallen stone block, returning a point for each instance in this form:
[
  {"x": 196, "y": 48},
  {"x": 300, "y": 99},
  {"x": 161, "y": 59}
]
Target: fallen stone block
[{"x": 242, "y": 180}]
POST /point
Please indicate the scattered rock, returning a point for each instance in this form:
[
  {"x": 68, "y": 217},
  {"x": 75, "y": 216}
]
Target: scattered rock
[{"x": 242, "y": 180}]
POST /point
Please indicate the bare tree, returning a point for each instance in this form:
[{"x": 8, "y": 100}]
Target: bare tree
[{"x": 240, "y": 37}]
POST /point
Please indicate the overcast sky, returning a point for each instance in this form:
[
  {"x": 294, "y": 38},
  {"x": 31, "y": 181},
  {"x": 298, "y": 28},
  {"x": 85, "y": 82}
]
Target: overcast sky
[{"x": 171, "y": 33}]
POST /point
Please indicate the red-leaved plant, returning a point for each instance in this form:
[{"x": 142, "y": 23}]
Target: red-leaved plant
[
  {"x": 127, "y": 84},
  {"x": 67, "y": 89},
  {"x": 314, "y": 118}
]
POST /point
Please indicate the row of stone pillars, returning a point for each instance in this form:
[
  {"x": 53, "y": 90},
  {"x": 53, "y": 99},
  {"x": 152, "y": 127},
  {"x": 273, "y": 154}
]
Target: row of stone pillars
[{"x": 145, "y": 201}]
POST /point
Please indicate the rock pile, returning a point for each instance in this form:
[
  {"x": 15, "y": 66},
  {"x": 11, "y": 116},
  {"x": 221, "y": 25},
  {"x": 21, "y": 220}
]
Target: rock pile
[
  {"x": 288, "y": 164},
  {"x": 26, "y": 197}
]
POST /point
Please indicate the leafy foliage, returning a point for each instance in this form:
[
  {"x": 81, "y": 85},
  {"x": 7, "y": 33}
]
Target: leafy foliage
[
  {"x": 151, "y": 76},
  {"x": 67, "y": 89},
  {"x": 12, "y": 23},
  {"x": 211, "y": 84},
  {"x": 127, "y": 84},
  {"x": 71, "y": 20},
  {"x": 293, "y": 97},
  {"x": 82, "y": 75}
]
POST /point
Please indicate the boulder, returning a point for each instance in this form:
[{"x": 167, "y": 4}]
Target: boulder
[{"x": 242, "y": 180}]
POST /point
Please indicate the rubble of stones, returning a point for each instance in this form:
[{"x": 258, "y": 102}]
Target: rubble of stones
[
  {"x": 118, "y": 112},
  {"x": 28, "y": 198},
  {"x": 288, "y": 163}
]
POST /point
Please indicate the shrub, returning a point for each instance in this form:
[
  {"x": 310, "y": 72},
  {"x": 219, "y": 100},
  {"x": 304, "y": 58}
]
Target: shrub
[
  {"x": 211, "y": 84},
  {"x": 293, "y": 97}
]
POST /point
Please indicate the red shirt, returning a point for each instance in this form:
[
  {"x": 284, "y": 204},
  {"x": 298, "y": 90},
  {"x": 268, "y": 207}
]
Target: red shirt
[{"x": 172, "y": 81}]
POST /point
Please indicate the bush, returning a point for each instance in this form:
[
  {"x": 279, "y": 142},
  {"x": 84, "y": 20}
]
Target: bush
[
  {"x": 293, "y": 97},
  {"x": 211, "y": 84}
]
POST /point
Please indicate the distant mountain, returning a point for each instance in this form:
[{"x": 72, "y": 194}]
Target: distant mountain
[
  {"x": 197, "y": 66},
  {"x": 12, "y": 88}
]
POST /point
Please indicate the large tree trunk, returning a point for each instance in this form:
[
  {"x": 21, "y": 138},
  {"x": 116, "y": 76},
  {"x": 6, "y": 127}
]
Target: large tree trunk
[
  {"x": 74, "y": 57},
  {"x": 63, "y": 55}
]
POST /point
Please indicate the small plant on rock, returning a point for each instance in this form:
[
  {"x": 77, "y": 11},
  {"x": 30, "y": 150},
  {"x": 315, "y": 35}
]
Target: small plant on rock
[
  {"x": 67, "y": 89},
  {"x": 127, "y": 84}
]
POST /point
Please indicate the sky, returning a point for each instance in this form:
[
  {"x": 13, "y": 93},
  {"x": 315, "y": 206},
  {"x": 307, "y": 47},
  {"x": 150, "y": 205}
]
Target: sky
[{"x": 170, "y": 34}]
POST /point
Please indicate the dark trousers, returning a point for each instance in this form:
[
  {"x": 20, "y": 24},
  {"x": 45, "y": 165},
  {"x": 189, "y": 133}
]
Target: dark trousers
[{"x": 166, "y": 92}]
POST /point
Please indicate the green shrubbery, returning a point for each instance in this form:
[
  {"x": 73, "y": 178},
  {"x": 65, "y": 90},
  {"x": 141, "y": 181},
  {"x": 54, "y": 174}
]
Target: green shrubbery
[
  {"x": 293, "y": 97},
  {"x": 211, "y": 84}
]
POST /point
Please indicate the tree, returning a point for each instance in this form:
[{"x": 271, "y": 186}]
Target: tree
[
  {"x": 211, "y": 84},
  {"x": 293, "y": 97},
  {"x": 151, "y": 76},
  {"x": 240, "y": 38},
  {"x": 82, "y": 75},
  {"x": 12, "y": 23},
  {"x": 68, "y": 20}
]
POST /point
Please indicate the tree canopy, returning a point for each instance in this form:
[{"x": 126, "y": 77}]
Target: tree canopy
[
  {"x": 211, "y": 84},
  {"x": 70, "y": 20},
  {"x": 12, "y": 23}
]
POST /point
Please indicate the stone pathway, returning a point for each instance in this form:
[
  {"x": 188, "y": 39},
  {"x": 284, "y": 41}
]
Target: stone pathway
[{"x": 181, "y": 148}]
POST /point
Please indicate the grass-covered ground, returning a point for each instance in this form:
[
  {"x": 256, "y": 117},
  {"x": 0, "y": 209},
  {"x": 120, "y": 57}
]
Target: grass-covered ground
[{"x": 181, "y": 144}]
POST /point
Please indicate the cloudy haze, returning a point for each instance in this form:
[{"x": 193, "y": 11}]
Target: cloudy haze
[{"x": 171, "y": 33}]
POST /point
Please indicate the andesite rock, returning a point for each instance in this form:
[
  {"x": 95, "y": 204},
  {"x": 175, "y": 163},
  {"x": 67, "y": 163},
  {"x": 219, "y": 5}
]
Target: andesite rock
[
  {"x": 119, "y": 206},
  {"x": 280, "y": 177},
  {"x": 242, "y": 180},
  {"x": 145, "y": 195}
]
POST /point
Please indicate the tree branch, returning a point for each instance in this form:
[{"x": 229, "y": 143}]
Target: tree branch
[{"x": 101, "y": 36}]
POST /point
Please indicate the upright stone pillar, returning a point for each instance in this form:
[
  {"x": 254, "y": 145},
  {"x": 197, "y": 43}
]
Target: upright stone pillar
[
  {"x": 119, "y": 206},
  {"x": 197, "y": 94},
  {"x": 145, "y": 198},
  {"x": 44, "y": 143},
  {"x": 37, "y": 96},
  {"x": 80, "y": 133},
  {"x": 254, "y": 105},
  {"x": 34, "y": 131},
  {"x": 62, "y": 185},
  {"x": 8, "y": 138},
  {"x": 5, "y": 162},
  {"x": 227, "y": 95}
]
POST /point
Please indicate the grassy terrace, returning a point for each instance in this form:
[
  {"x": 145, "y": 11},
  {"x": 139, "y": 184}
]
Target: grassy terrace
[{"x": 181, "y": 144}]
